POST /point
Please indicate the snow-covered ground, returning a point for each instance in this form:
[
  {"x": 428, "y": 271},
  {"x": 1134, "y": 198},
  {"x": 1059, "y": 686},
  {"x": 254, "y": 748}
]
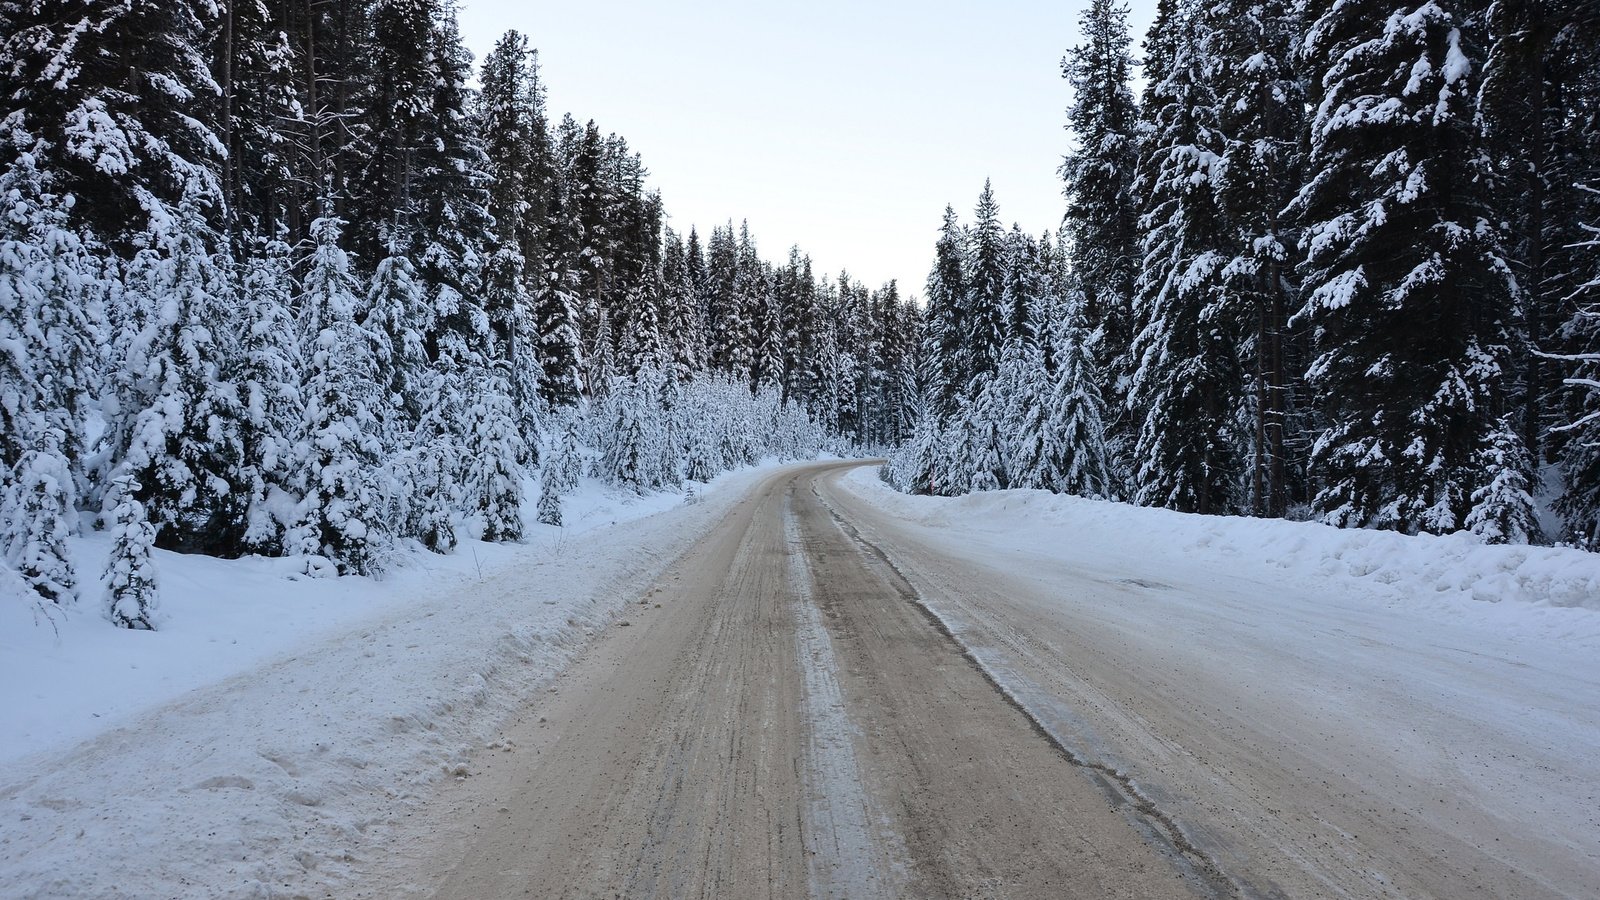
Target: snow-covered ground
[
  {"x": 1338, "y": 713},
  {"x": 274, "y": 722}
]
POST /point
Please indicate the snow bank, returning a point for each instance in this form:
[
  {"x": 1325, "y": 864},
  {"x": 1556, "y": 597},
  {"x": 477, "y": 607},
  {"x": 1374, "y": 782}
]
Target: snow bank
[
  {"x": 1552, "y": 592},
  {"x": 258, "y": 743}
]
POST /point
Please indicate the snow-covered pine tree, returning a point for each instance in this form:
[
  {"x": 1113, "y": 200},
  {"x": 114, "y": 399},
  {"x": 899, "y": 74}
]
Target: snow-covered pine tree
[
  {"x": 130, "y": 574},
  {"x": 983, "y": 309},
  {"x": 724, "y": 325},
  {"x": 739, "y": 329},
  {"x": 946, "y": 330},
  {"x": 112, "y": 97},
  {"x": 1249, "y": 54},
  {"x": 1186, "y": 382},
  {"x": 1100, "y": 228},
  {"x": 517, "y": 145},
  {"x": 1409, "y": 296},
  {"x": 1536, "y": 110},
  {"x": 1502, "y": 505},
  {"x": 180, "y": 423},
  {"x": 48, "y": 317},
  {"x": 984, "y": 450},
  {"x": 1026, "y": 391},
  {"x": 37, "y": 504},
  {"x": 342, "y": 449},
  {"x": 681, "y": 330},
  {"x": 436, "y": 465},
  {"x": 422, "y": 482},
  {"x": 555, "y": 299},
  {"x": 521, "y": 192},
  {"x": 601, "y": 360},
  {"x": 767, "y": 313},
  {"x": 493, "y": 475},
  {"x": 385, "y": 199},
  {"x": 633, "y": 436},
  {"x": 266, "y": 372},
  {"x": 1570, "y": 291},
  {"x": 1579, "y": 503},
  {"x": 560, "y": 478},
  {"x": 1023, "y": 284},
  {"x": 400, "y": 319},
  {"x": 455, "y": 231},
  {"x": 1076, "y": 428},
  {"x": 549, "y": 506},
  {"x": 510, "y": 308},
  {"x": 258, "y": 119}
]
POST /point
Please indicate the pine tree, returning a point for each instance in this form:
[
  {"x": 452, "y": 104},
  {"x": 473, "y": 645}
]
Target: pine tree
[
  {"x": 257, "y": 75},
  {"x": 455, "y": 231},
  {"x": 1076, "y": 427},
  {"x": 1502, "y": 504},
  {"x": 386, "y": 200},
  {"x": 48, "y": 285},
  {"x": 113, "y": 98},
  {"x": 37, "y": 512},
  {"x": 494, "y": 478},
  {"x": 1250, "y": 46},
  {"x": 130, "y": 575},
  {"x": 560, "y": 476},
  {"x": 631, "y": 455},
  {"x": 267, "y": 375},
  {"x": 1579, "y": 503},
  {"x": 947, "y": 290},
  {"x": 983, "y": 311},
  {"x": 336, "y": 516},
  {"x": 180, "y": 430},
  {"x": 435, "y": 469},
  {"x": 1100, "y": 225},
  {"x": 1025, "y": 385},
  {"x": 1185, "y": 385},
  {"x": 680, "y": 326},
  {"x": 1538, "y": 90},
  {"x": 1409, "y": 295},
  {"x": 727, "y": 331},
  {"x": 549, "y": 509},
  {"x": 399, "y": 316}
]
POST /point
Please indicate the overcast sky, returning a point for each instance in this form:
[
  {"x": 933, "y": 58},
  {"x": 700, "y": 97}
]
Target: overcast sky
[{"x": 839, "y": 125}]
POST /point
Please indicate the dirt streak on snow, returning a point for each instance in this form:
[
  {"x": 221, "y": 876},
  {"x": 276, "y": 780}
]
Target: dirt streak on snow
[{"x": 260, "y": 741}]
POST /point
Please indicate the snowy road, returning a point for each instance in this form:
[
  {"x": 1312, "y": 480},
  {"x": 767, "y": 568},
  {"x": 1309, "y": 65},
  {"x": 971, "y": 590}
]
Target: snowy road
[
  {"x": 836, "y": 699},
  {"x": 785, "y": 724}
]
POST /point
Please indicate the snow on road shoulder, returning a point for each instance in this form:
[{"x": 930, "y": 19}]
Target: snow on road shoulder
[
  {"x": 1536, "y": 592},
  {"x": 274, "y": 725}
]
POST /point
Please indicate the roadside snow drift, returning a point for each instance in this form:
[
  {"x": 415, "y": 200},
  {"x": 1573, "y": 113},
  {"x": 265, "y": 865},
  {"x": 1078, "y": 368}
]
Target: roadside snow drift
[{"x": 1547, "y": 591}]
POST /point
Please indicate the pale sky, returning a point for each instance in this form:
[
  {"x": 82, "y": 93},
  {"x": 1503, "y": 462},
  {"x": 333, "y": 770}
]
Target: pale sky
[{"x": 844, "y": 127}]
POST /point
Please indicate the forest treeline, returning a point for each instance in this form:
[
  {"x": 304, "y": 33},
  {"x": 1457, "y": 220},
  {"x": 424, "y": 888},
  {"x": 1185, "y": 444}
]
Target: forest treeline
[
  {"x": 285, "y": 278},
  {"x": 1340, "y": 260}
]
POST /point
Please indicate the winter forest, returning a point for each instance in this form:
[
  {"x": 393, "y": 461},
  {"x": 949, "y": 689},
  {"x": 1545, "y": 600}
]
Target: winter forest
[
  {"x": 1338, "y": 260},
  {"x": 303, "y": 279},
  {"x": 293, "y": 279}
]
